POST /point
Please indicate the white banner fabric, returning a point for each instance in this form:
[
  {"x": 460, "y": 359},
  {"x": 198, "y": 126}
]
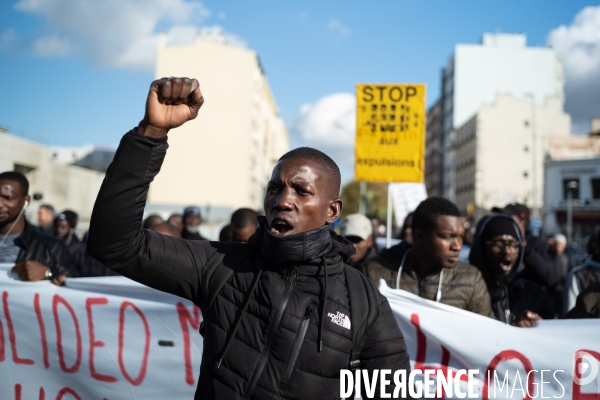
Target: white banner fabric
[
  {"x": 442, "y": 337},
  {"x": 111, "y": 338}
]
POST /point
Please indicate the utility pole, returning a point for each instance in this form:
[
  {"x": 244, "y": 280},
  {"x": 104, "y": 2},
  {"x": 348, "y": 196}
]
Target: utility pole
[
  {"x": 534, "y": 170},
  {"x": 571, "y": 187}
]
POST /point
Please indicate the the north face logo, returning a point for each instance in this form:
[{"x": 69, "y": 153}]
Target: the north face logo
[{"x": 340, "y": 319}]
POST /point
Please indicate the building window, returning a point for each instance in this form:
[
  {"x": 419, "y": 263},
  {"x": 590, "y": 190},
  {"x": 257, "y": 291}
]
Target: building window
[
  {"x": 22, "y": 168},
  {"x": 595, "y": 188},
  {"x": 574, "y": 191}
]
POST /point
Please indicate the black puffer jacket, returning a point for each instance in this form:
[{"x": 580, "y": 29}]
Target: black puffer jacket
[
  {"x": 274, "y": 352},
  {"x": 45, "y": 249}
]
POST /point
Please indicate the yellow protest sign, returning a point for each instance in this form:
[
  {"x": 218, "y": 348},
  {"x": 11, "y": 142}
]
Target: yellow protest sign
[{"x": 390, "y": 133}]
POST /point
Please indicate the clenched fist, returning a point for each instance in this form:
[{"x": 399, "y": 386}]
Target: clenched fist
[{"x": 171, "y": 102}]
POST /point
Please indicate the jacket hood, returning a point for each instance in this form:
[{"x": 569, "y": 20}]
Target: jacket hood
[{"x": 476, "y": 254}]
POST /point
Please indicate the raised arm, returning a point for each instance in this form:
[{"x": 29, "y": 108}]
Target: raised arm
[{"x": 115, "y": 237}]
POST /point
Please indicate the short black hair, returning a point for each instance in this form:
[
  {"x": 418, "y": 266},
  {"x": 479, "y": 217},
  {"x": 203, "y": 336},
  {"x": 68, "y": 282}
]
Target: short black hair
[
  {"x": 243, "y": 217},
  {"x": 308, "y": 153},
  {"x": 426, "y": 214},
  {"x": 152, "y": 220},
  {"x": 16, "y": 177}
]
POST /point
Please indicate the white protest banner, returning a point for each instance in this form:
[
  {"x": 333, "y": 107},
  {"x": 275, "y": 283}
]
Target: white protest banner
[
  {"x": 97, "y": 338},
  {"x": 556, "y": 359},
  {"x": 111, "y": 338}
]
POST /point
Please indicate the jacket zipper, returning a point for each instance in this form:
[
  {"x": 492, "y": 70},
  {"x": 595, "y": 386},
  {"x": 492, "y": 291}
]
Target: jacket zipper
[
  {"x": 271, "y": 337},
  {"x": 296, "y": 347}
]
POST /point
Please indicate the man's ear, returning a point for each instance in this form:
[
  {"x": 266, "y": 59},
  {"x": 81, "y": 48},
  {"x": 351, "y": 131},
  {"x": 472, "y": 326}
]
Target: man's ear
[{"x": 334, "y": 210}]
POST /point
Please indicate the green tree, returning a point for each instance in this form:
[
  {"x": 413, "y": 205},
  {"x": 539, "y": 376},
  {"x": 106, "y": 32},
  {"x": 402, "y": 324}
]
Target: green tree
[{"x": 376, "y": 199}]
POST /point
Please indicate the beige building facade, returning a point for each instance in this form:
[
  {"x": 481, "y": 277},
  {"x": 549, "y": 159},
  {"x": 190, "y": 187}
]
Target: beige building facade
[
  {"x": 224, "y": 158},
  {"x": 61, "y": 184},
  {"x": 495, "y": 152}
]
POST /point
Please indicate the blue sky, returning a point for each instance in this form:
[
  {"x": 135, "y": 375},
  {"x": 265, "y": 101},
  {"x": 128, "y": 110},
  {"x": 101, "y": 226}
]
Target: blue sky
[{"x": 77, "y": 71}]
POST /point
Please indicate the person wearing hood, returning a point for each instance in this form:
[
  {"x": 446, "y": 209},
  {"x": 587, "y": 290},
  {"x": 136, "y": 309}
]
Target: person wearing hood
[
  {"x": 279, "y": 326},
  {"x": 429, "y": 267},
  {"x": 538, "y": 266},
  {"x": 498, "y": 251},
  {"x": 358, "y": 229}
]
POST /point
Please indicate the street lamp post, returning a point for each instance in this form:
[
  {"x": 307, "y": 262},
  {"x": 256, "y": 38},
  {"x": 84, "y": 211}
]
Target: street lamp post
[{"x": 534, "y": 168}]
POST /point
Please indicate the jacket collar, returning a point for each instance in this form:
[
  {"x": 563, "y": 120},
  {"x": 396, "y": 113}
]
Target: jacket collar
[{"x": 304, "y": 252}]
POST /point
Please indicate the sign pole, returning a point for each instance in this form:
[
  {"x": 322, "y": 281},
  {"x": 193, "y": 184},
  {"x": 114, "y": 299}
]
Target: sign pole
[
  {"x": 362, "y": 206},
  {"x": 388, "y": 230}
]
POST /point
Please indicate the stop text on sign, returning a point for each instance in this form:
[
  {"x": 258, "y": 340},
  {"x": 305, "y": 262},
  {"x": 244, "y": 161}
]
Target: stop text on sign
[{"x": 390, "y": 132}]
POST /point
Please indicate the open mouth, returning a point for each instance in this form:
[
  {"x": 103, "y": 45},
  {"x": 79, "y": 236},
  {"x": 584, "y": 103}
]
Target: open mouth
[
  {"x": 505, "y": 265},
  {"x": 281, "y": 227}
]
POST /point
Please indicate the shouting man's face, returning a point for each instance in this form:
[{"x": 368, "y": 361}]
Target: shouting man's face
[
  {"x": 501, "y": 254},
  {"x": 300, "y": 197}
]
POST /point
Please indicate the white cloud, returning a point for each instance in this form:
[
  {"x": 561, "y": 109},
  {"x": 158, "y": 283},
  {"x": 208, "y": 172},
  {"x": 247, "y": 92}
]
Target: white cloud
[
  {"x": 329, "y": 125},
  {"x": 337, "y": 26},
  {"x": 116, "y": 33},
  {"x": 579, "y": 44},
  {"x": 52, "y": 46}
]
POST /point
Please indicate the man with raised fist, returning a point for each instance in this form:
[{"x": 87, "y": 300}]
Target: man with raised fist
[{"x": 283, "y": 314}]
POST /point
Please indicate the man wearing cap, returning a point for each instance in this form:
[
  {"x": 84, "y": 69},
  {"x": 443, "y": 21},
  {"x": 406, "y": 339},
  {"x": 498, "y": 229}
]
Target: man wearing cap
[
  {"x": 64, "y": 228},
  {"x": 358, "y": 229},
  {"x": 191, "y": 224},
  {"x": 537, "y": 267}
]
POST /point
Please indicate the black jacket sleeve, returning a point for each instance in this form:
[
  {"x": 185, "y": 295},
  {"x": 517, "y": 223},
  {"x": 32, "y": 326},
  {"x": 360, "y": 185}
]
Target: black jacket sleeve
[
  {"x": 385, "y": 348},
  {"x": 117, "y": 239}
]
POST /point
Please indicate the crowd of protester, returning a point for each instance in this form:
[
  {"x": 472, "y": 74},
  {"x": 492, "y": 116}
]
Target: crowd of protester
[{"x": 496, "y": 268}]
